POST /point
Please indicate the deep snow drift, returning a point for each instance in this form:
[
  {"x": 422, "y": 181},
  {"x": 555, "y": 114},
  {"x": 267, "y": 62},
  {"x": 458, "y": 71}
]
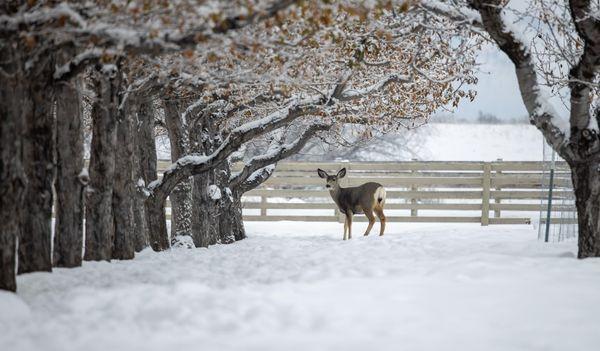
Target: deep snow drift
[{"x": 298, "y": 286}]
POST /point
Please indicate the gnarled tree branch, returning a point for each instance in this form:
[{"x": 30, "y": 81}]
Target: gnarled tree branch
[
  {"x": 194, "y": 164},
  {"x": 353, "y": 94},
  {"x": 238, "y": 180}
]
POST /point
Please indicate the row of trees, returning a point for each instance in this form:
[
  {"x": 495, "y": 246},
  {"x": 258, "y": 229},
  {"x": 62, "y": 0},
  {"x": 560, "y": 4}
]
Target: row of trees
[{"x": 249, "y": 81}]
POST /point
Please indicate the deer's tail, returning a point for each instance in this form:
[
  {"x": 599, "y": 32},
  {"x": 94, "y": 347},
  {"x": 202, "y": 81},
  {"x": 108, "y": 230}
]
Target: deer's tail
[{"x": 380, "y": 196}]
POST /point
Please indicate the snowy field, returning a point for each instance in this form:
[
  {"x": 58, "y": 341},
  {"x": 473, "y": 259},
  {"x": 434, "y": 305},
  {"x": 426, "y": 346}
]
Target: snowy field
[
  {"x": 480, "y": 142},
  {"x": 297, "y": 286}
]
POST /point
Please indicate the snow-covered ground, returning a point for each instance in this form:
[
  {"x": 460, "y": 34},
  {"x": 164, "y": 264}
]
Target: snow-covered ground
[
  {"x": 481, "y": 142},
  {"x": 297, "y": 286}
]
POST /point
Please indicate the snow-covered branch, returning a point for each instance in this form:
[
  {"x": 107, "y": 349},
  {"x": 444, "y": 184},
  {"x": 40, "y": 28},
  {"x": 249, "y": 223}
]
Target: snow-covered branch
[
  {"x": 196, "y": 164},
  {"x": 80, "y": 62},
  {"x": 42, "y": 16},
  {"x": 275, "y": 155},
  {"x": 455, "y": 13},
  {"x": 352, "y": 94},
  {"x": 426, "y": 75},
  {"x": 256, "y": 178},
  {"x": 146, "y": 85},
  {"x": 255, "y": 101}
]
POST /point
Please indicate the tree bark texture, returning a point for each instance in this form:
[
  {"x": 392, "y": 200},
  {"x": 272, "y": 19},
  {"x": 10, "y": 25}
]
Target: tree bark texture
[
  {"x": 144, "y": 162},
  {"x": 70, "y": 181},
  {"x": 38, "y": 162},
  {"x": 205, "y": 212},
  {"x": 181, "y": 196},
  {"x": 206, "y": 207},
  {"x": 157, "y": 222},
  {"x": 586, "y": 183},
  {"x": 99, "y": 226},
  {"x": 124, "y": 190},
  {"x": 12, "y": 175},
  {"x": 231, "y": 224}
]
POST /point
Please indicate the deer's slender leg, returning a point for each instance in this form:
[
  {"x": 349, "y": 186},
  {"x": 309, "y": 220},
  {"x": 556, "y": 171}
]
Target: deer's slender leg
[
  {"x": 345, "y": 226},
  {"x": 379, "y": 213},
  {"x": 349, "y": 220},
  {"x": 369, "y": 213}
]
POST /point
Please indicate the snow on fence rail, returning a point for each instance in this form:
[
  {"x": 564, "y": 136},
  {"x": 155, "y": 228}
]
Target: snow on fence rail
[{"x": 498, "y": 192}]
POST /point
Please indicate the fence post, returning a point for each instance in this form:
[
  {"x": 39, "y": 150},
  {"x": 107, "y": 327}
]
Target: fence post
[
  {"x": 413, "y": 188},
  {"x": 263, "y": 206},
  {"x": 485, "y": 200},
  {"x": 497, "y": 213}
]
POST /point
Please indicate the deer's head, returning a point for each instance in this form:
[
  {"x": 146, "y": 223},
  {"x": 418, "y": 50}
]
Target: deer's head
[{"x": 332, "y": 180}]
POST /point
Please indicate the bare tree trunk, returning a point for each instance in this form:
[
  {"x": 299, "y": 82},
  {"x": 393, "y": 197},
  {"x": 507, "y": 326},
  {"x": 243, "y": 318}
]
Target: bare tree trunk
[
  {"x": 38, "y": 161},
  {"x": 99, "y": 226},
  {"x": 206, "y": 186},
  {"x": 12, "y": 177},
  {"x": 157, "y": 222},
  {"x": 228, "y": 225},
  {"x": 231, "y": 224},
  {"x": 123, "y": 191},
  {"x": 181, "y": 198},
  {"x": 205, "y": 212},
  {"x": 154, "y": 205},
  {"x": 68, "y": 230},
  {"x": 586, "y": 183},
  {"x": 144, "y": 163}
]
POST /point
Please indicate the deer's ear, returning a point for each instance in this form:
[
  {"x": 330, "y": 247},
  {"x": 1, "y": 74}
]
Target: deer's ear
[
  {"x": 342, "y": 173},
  {"x": 322, "y": 173}
]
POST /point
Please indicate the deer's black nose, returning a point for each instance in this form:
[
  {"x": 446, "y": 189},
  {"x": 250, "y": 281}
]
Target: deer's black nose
[{"x": 328, "y": 186}]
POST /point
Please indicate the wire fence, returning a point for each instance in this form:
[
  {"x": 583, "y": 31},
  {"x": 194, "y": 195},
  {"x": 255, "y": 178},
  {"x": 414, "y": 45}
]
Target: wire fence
[{"x": 560, "y": 209}]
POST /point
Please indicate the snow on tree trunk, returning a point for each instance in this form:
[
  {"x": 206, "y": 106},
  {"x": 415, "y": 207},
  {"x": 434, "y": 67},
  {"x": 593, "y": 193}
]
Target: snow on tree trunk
[
  {"x": 123, "y": 191},
  {"x": 38, "y": 162},
  {"x": 144, "y": 163},
  {"x": 586, "y": 183},
  {"x": 68, "y": 232},
  {"x": 12, "y": 178},
  {"x": 99, "y": 226},
  {"x": 231, "y": 224},
  {"x": 206, "y": 191},
  {"x": 205, "y": 212},
  {"x": 226, "y": 206},
  {"x": 181, "y": 196}
]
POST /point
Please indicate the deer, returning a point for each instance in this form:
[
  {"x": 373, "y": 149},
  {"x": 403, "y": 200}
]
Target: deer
[{"x": 366, "y": 198}]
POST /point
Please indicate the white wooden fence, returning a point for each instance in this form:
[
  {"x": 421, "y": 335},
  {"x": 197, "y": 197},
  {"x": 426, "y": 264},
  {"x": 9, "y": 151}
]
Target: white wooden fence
[{"x": 479, "y": 192}]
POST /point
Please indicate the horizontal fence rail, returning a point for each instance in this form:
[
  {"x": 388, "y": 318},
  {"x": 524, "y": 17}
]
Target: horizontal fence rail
[{"x": 472, "y": 192}]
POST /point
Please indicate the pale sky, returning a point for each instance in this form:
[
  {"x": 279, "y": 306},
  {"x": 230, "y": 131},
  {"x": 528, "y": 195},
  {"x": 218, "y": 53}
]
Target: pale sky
[{"x": 497, "y": 89}]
